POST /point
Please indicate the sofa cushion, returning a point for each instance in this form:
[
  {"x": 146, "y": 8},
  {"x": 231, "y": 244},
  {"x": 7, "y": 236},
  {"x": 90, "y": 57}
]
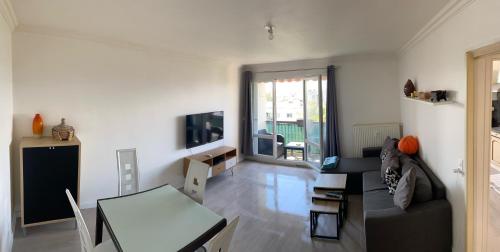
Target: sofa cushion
[
  {"x": 371, "y": 182},
  {"x": 371, "y": 151},
  {"x": 404, "y": 191},
  {"x": 404, "y": 158},
  {"x": 423, "y": 186},
  {"x": 438, "y": 188},
  {"x": 356, "y": 165},
  {"x": 390, "y": 160},
  {"x": 354, "y": 168},
  {"x": 389, "y": 145},
  {"x": 377, "y": 200}
]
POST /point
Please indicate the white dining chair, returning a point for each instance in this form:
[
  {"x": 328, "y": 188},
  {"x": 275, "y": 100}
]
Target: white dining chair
[
  {"x": 85, "y": 240},
  {"x": 128, "y": 174},
  {"x": 196, "y": 180},
  {"x": 222, "y": 241}
]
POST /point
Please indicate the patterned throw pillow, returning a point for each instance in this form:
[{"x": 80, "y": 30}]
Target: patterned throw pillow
[
  {"x": 389, "y": 145},
  {"x": 390, "y": 159},
  {"x": 392, "y": 179}
]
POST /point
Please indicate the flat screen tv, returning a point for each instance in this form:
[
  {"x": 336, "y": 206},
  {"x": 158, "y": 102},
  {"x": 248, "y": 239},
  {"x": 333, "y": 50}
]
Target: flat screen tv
[{"x": 204, "y": 128}]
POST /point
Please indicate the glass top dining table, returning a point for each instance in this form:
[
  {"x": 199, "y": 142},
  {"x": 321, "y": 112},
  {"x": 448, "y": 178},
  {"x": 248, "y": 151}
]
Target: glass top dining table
[{"x": 160, "y": 219}]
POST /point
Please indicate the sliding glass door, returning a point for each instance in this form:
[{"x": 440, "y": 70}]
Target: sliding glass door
[
  {"x": 313, "y": 111},
  {"x": 289, "y": 119},
  {"x": 264, "y": 137}
]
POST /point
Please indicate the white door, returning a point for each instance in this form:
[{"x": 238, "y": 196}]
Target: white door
[
  {"x": 313, "y": 111},
  {"x": 264, "y": 119}
]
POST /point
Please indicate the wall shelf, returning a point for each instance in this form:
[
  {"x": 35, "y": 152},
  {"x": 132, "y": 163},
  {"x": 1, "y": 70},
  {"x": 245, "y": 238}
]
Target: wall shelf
[{"x": 429, "y": 102}]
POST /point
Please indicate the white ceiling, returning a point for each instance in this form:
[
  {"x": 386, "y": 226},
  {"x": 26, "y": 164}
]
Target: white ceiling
[{"x": 234, "y": 29}]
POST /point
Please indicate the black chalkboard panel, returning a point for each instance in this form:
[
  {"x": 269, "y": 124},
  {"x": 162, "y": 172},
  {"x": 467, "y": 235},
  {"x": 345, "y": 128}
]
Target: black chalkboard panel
[{"x": 47, "y": 172}]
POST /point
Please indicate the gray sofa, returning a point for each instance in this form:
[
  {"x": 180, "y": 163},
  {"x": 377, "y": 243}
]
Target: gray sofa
[{"x": 422, "y": 227}]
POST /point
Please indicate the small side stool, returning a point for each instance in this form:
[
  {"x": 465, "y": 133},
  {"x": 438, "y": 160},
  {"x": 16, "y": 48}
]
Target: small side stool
[{"x": 324, "y": 207}]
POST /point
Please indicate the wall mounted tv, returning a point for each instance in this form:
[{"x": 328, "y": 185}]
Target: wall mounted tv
[{"x": 204, "y": 128}]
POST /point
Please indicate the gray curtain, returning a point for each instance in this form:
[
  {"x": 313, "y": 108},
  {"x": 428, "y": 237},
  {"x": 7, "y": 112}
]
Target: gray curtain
[
  {"x": 247, "y": 131},
  {"x": 332, "y": 142}
]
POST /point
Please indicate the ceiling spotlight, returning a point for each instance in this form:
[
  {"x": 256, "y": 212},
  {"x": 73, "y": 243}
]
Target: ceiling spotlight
[{"x": 270, "y": 30}]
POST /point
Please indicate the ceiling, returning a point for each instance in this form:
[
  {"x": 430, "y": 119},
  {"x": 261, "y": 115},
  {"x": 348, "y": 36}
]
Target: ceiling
[{"x": 234, "y": 29}]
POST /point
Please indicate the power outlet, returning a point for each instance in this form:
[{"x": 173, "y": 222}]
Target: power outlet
[{"x": 460, "y": 167}]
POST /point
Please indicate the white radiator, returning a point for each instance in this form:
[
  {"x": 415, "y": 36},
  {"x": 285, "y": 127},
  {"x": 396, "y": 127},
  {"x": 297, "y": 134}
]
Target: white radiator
[{"x": 373, "y": 135}]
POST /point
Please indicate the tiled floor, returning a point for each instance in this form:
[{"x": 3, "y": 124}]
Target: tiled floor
[{"x": 272, "y": 202}]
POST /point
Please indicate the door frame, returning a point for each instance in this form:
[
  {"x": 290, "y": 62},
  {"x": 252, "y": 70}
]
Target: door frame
[
  {"x": 307, "y": 142},
  {"x": 273, "y": 136},
  {"x": 255, "y": 135},
  {"x": 478, "y": 114}
]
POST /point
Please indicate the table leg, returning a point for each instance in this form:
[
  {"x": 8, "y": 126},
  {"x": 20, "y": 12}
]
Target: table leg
[
  {"x": 311, "y": 224},
  {"x": 346, "y": 202},
  {"x": 338, "y": 228},
  {"x": 98, "y": 227},
  {"x": 285, "y": 152}
]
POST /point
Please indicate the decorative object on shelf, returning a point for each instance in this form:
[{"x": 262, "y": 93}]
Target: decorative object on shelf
[
  {"x": 421, "y": 95},
  {"x": 408, "y": 145},
  {"x": 424, "y": 96},
  {"x": 414, "y": 94},
  {"x": 63, "y": 132},
  {"x": 428, "y": 95},
  {"x": 409, "y": 88},
  {"x": 37, "y": 126},
  {"x": 438, "y": 95}
]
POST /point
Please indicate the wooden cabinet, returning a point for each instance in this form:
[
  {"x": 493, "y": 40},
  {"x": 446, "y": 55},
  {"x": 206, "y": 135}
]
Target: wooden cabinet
[
  {"x": 219, "y": 159},
  {"x": 48, "y": 167}
]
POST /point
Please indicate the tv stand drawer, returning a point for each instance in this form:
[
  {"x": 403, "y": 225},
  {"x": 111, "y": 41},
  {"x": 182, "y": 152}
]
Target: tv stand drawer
[
  {"x": 230, "y": 163},
  {"x": 217, "y": 169},
  {"x": 219, "y": 159}
]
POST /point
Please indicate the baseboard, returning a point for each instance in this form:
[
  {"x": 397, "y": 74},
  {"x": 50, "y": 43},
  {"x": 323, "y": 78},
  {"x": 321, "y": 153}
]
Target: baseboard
[
  {"x": 13, "y": 222},
  {"x": 88, "y": 204},
  {"x": 93, "y": 204},
  {"x": 17, "y": 212},
  {"x": 271, "y": 160},
  {"x": 7, "y": 240}
]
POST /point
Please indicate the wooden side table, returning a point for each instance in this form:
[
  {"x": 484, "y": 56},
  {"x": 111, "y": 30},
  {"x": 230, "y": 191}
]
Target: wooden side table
[
  {"x": 332, "y": 183},
  {"x": 321, "y": 195}
]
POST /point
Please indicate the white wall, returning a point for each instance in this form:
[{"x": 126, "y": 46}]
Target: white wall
[
  {"x": 367, "y": 89},
  {"x": 118, "y": 97},
  {"x": 5, "y": 135},
  {"x": 438, "y": 62}
]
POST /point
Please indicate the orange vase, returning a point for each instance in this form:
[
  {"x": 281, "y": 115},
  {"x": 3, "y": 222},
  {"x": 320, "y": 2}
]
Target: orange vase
[{"x": 37, "y": 126}]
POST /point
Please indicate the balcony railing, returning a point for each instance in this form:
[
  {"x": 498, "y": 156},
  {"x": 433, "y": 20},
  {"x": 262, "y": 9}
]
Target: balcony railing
[{"x": 293, "y": 131}]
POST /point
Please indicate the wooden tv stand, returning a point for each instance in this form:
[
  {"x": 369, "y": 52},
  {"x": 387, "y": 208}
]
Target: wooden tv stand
[{"x": 220, "y": 159}]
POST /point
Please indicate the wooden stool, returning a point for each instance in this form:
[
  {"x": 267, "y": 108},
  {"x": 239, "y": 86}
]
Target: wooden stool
[{"x": 324, "y": 207}]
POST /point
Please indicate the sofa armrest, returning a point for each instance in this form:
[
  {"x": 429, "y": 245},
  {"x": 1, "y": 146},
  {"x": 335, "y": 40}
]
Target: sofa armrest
[
  {"x": 372, "y": 151},
  {"x": 423, "y": 227}
]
